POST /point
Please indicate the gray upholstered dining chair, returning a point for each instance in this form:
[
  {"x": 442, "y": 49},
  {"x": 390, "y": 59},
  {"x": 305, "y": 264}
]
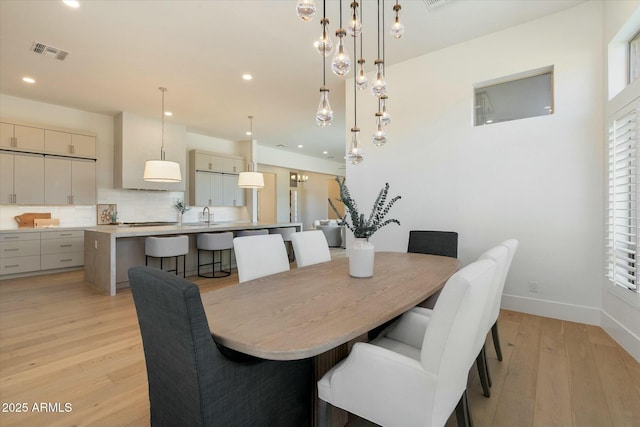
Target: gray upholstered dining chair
[
  {"x": 259, "y": 256},
  {"x": 414, "y": 374},
  {"x": 191, "y": 382},
  {"x": 431, "y": 242},
  {"x": 310, "y": 247}
]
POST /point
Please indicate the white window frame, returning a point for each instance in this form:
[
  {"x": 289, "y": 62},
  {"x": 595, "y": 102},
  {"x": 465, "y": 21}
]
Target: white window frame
[{"x": 621, "y": 228}]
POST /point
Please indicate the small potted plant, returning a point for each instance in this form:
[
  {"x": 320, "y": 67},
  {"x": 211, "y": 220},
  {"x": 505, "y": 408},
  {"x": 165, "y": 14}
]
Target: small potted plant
[
  {"x": 182, "y": 208},
  {"x": 361, "y": 252}
]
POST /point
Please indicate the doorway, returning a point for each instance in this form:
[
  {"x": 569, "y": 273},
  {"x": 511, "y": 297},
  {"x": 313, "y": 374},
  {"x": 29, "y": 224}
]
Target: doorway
[{"x": 267, "y": 208}]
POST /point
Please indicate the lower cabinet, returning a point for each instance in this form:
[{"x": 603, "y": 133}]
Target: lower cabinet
[
  {"x": 19, "y": 253},
  {"x": 61, "y": 249},
  {"x": 27, "y": 252}
]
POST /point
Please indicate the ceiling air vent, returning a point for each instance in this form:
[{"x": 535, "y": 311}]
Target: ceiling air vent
[
  {"x": 50, "y": 51},
  {"x": 432, "y": 4}
]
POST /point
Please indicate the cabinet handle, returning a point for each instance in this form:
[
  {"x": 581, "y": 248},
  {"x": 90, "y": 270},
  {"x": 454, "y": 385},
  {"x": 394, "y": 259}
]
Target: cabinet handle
[
  {"x": 10, "y": 237},
  {"x": 12, "y": 266},
  {"x": 14, "y": 141},
  {"x": 66, "y": 260},
  {"x": 65, "y": 234},
  {"x": 15, "y": 198},
  {"x": 209, "y": 166},
  {"x": 11, "y": 250},
  {"x": 65, "y": 246}
]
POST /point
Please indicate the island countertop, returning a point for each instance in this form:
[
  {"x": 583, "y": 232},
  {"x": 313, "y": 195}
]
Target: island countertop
[{"x": 101, "y": 245}]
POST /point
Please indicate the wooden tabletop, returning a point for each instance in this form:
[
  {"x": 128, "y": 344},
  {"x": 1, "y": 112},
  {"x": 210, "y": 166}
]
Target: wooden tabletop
[{"x": 306, "y": 311}]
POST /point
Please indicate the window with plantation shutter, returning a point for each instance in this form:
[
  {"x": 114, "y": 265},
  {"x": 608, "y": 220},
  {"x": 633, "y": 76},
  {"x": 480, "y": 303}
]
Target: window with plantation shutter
[{"x": 622, "y": 212}]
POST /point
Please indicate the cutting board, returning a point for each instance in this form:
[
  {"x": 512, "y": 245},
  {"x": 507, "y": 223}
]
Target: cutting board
[
  {"x": 26, "y": 219},
  {"x": 41, "y": 223}
]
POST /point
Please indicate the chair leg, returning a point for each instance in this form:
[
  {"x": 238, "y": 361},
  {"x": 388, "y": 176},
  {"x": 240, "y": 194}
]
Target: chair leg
[
  {"x": 324, "y": 413},
  {"x": 486, "y": 364},
  {"x": 496, "y": 340},
  {"x": 481, "y": 362},
  {"x": 463, "y": 412}
]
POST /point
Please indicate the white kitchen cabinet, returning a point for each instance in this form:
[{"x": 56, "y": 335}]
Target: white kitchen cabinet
[
  {"x": 22, "y": 179},
  {"x": 69, "y": 144},
  {"x": 138, "y": 139},
  {"x": 231, "y": 194},
  {"x": 208, "y": 162},
  {"x": 21, "y": 138},
  {"x": 233, "y": 165},
  {"x": 208, "y": 189},
  {"x": 69, "y": 181}
]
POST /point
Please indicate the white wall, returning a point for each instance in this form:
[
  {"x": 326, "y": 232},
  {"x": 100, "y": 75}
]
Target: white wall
[
  {"x": 538, "y": 180},
  {"x": 620, "y": 308}
]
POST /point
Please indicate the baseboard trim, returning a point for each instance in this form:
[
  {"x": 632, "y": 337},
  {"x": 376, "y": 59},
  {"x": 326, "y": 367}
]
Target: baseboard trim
[
  {"x": 576, "y": 313},
  {"x": 623, "y": 336},
  {"x": 552, "y": 309}
]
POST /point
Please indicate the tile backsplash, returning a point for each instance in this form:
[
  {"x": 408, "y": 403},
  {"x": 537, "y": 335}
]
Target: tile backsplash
[{"x": 133, "y": 206}]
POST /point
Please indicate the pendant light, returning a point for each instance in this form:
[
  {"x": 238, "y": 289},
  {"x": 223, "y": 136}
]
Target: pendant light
[
  {"x": 162, "y": 170},
  {"x": 324, "y": 115},
  {"x": 397, "y": 29},
  {"x": 341, "y": 63},
  {"x": 386, "y": 117},
  {"x": 305, "y": 9},
  {"x": 355, "y": 155},
  {"x": 361, "y": 80},
  {"x": 250, "y": 179},
  {"x": 324, "y": 46}
]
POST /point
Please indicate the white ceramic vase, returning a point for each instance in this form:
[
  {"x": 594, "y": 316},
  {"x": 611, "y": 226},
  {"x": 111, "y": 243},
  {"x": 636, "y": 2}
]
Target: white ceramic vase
[{"x": 361, "y": 255}]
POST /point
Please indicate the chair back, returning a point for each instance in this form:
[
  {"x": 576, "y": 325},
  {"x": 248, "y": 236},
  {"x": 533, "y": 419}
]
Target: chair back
[
  {"x": 259, "y": 256},
  {"x": 448, "y": 349},
  {"x": 310, "y": 247},
  {"x": 512, "y": 246},
  {"x": 500, "y": 255},
  {"x": 444, "y": 243},
  {"x": 179, "y": 351}
]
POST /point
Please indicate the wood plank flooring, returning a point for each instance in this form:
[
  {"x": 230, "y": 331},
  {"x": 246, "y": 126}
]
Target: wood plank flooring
[{"x": 61, "y": 343}]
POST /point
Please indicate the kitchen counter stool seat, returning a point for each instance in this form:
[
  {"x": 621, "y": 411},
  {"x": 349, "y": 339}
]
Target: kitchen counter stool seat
[
  {"x": 286, "y": 233},
  {"x": 167, "y": 247},
  {"x": 215, "y": 242},
  {"x": 244, "y": 233}
]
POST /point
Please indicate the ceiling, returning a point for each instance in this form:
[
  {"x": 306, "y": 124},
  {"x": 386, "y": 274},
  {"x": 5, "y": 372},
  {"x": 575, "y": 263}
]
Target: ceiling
[{"x": 122, "y": 51}]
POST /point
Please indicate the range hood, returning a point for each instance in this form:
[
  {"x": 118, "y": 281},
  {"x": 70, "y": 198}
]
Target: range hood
[{"x": 136, "y": 140}]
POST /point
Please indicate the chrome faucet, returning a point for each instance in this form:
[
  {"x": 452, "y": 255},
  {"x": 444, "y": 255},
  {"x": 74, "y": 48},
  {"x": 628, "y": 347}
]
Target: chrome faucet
[{"x": 206, "y": 214}]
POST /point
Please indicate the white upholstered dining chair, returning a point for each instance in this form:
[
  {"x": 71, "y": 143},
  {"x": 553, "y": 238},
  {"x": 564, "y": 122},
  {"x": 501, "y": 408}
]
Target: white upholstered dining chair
[
  {"x": 415, "y": 372},
  {"x": 259, "y": 256},
  {"x": 512, "y": 246},
  {"x": 310, "y": 247}
]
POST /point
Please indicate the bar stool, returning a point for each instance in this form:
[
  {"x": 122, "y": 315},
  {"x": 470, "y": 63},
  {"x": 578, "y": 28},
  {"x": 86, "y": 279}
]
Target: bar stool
[
  {"x": 286, "y": 233},
  {"x": 243, "y": 233},
  {"x": 167, "y": 247},
  {"x": 215, "y": 242}
]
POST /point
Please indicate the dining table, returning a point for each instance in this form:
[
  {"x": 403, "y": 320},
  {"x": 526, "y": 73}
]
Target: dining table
[{"x": 315, "y": 311}]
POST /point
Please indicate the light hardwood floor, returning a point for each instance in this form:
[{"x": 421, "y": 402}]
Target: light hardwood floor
[{"x": 62, "y": 342}]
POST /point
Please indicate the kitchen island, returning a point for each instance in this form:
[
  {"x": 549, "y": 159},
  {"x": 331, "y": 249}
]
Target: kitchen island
[{"x": 109, "y": 251}]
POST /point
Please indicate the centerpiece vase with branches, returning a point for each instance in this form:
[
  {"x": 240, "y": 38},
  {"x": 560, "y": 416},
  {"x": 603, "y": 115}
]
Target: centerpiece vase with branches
[{"x": 361, "y": 251}]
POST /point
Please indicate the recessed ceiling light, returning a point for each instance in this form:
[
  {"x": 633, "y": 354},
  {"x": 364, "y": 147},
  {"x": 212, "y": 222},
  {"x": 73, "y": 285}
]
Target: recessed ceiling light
[
  {"x": 28, "y": 80},
  {"x": 72, "y": 3},
  {"x": 325, "y": 152},
  {"x": 168, "y": 113},
  {"x": 248, "y": 133},
  {"x": 247, "y": 77},
  {"x": 300, "y": 145},
  {"x": 280, "y": 145}
]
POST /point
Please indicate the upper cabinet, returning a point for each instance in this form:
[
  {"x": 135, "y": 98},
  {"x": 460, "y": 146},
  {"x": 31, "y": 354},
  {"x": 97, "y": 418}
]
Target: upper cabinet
[
  {"x": 213, "y": 179},
  {"x": 138, "y": 139},
  {"x": 21, "y": 138},
  {"x": 31, "y": 176},
  {"x": 69, "y": 144}
]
